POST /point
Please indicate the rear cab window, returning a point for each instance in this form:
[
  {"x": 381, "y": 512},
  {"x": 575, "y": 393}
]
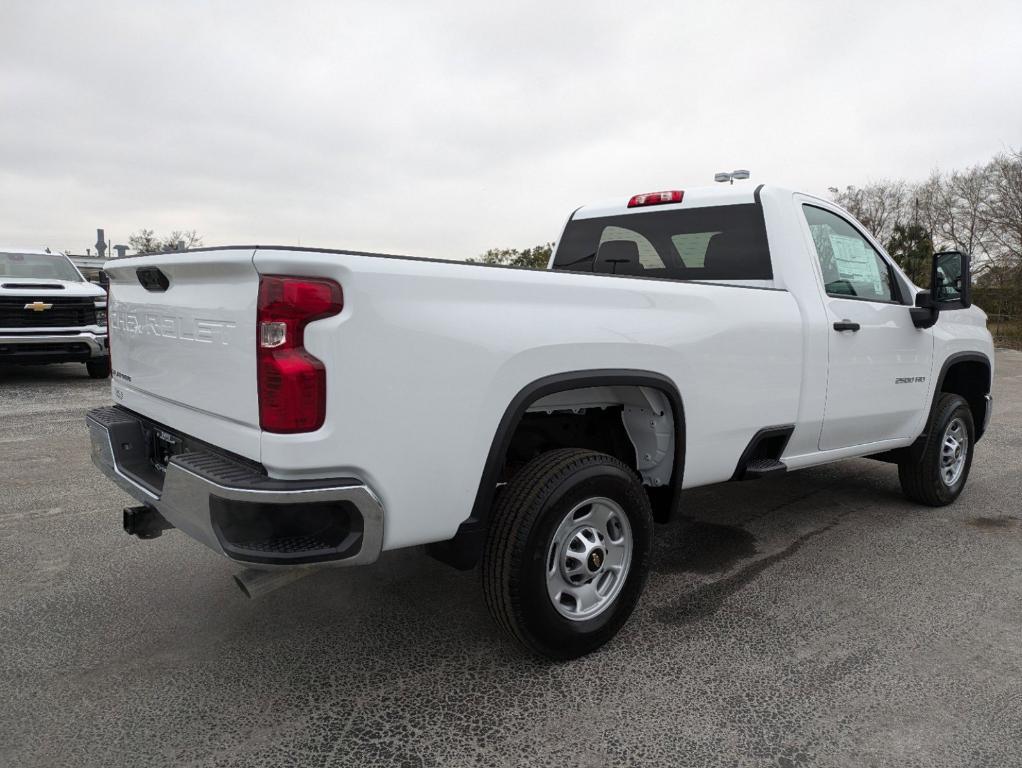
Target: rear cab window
[{"x": 713, "y": 243}]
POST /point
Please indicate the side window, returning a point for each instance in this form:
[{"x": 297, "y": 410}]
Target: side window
[{"x": 851, "y": 266}]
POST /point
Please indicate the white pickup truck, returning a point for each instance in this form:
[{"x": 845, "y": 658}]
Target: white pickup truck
[
  {"x": 297, "y": 407},
  {"x": 49, "y": 313}
]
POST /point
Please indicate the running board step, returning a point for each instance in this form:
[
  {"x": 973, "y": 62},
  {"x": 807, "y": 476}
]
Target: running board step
[{"x": 758, "y": 468}]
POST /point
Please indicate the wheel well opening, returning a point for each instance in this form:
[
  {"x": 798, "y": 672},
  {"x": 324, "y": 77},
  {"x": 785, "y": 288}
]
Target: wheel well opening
[
  {"x": 634, "y": 424},
  {"x": 636, "y": 416},
  {"x": 599, "y": 429},
  {"x": 971, "y": 380}
]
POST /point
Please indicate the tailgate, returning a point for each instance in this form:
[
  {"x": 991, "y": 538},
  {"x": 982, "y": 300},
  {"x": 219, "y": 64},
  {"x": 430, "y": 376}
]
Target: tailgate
[{"x": 183, "y": 343}]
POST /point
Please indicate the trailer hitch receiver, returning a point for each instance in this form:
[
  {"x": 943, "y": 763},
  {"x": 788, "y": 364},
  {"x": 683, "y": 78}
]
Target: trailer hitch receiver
[{"x": 144, "y": 522}]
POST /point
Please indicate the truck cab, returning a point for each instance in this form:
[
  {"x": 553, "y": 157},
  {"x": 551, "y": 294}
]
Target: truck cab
[{"x": 866, "y": 362}]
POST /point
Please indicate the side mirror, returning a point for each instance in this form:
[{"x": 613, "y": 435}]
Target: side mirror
[
  {"x": 951, "y": 281},
  {"x": 950, "y": 288}
]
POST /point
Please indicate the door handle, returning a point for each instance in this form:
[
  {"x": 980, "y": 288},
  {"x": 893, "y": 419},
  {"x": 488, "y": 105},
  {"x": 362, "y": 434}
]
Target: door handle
[{"x": 846, "y": 325}]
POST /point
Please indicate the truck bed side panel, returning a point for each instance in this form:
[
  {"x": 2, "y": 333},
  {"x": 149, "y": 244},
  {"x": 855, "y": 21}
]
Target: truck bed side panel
[{"x": 426, "y": 357}]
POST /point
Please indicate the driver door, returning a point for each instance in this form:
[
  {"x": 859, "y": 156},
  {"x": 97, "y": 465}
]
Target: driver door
[{"x": 879, "y": 362}]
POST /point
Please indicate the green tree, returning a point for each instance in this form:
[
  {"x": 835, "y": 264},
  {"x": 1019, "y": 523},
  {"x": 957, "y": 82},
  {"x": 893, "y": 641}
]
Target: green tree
[
  {"x": 536, "y": 257},
  {"x": 912, "y": 247}
]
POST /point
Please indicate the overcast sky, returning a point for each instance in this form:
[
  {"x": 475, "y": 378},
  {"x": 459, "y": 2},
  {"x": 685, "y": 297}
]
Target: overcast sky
[{"x": 445, "y": 128}]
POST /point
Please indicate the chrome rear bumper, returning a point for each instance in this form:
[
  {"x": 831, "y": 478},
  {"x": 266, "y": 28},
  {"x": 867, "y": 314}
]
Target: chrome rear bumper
[{"x": 197, "y": 486}]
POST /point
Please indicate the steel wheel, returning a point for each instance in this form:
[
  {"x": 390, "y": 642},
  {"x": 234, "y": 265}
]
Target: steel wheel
[
  {"x": 588, "y": 558},
  {"x": 935, "y": 470},
  {"x": 954, "y": 450},
  {"x": 567, "y": 552}
]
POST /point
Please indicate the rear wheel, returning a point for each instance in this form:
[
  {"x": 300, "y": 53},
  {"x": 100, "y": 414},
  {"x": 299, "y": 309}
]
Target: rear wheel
[
  {"x": 567, "y": 552},
  {"x": 98, "y": 368},
  {"x": 937, "y": 476}
]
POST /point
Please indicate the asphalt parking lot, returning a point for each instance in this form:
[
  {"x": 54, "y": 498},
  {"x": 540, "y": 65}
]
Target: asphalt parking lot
[{"x": 817, "y": 619}]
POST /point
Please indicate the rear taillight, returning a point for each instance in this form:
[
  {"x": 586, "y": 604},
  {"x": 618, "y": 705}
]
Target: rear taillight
[
  {"x": 292, "y": 383},
  {"x": 656, "y": 198}
]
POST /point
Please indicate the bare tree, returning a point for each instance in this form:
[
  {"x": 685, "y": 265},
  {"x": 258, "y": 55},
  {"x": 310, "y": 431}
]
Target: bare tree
[
  {"x": 953, "y": 207},
  {"x": 1003, "y": 210},
  {"x": 147, "y": 241},
  {"x": 880, "y": 205},
  {"x": 189, "y": 237}
]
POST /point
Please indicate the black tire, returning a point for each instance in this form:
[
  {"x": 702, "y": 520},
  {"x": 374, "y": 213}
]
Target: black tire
[
  {"x": 920, "y": 472},
  {"x": 519, "y": 544},
  {"x": 98, "y": 368}
]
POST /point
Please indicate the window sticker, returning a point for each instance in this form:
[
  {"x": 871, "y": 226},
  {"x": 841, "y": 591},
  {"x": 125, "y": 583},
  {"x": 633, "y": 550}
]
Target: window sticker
[{"x": 856, "y": 262}]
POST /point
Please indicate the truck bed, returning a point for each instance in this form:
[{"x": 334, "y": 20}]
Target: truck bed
[{"x": 426, "y": 356}]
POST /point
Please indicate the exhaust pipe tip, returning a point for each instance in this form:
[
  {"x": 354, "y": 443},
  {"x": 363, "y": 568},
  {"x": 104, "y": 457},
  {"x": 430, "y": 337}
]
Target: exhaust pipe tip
[{"x": 255, "y": 583}]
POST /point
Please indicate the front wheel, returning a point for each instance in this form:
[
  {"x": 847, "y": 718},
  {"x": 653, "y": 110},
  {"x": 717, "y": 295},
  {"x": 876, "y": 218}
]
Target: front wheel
[
  {"x": 937, "y": 476},
  {"x": 567, "y": 552},
  {"x": 98, "y": 368}
]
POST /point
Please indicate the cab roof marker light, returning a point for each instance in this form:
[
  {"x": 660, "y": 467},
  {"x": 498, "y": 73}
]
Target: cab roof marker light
[{"x": 656, "y": 198}]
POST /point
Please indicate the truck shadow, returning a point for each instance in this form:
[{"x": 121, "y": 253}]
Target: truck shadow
[
  {"x": 699, "y": 546},
  {"x": 57, "y": 373},
  {"x": 787, "y": 512},
  {"x": 706, "y": 558},
  {"x": 700, "y": 563}
]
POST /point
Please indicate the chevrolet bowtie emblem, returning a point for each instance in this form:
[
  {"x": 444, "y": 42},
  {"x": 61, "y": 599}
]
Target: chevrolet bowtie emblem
[{"x": 38, "y": 306}]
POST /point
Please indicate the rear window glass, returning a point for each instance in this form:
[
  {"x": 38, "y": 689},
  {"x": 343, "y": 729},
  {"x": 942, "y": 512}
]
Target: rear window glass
[{"x": 726, "y": 242}]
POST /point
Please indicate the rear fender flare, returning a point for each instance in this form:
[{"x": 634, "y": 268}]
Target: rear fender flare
[{"x": 463, "y": 550}]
